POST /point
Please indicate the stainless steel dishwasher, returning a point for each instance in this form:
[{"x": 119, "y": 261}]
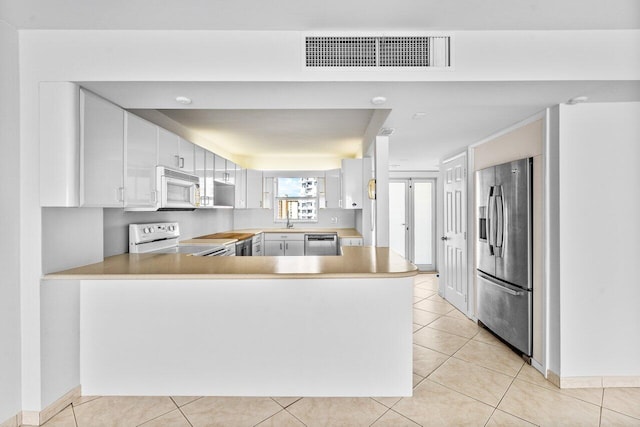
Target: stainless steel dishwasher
[{"x": 321, "y": 244}]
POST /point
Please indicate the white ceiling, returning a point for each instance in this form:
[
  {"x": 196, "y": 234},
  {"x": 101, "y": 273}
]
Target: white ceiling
[
  {"x": 323, "y": 15},
  {"x": 458, "y": 113}
]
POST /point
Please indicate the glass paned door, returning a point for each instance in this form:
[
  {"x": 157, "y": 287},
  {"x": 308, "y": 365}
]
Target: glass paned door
[{"x": 412, "y": 220}]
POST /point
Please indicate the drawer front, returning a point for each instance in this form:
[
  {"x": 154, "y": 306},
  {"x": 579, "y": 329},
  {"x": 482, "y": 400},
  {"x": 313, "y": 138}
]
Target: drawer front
[{"x": 284, "y": 236}]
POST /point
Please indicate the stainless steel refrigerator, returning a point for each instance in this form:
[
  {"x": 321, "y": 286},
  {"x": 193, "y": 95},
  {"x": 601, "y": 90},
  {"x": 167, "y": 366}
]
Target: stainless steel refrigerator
[{"x": 504, "y": 251}]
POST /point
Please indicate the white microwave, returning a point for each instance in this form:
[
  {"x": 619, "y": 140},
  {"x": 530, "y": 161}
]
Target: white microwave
[{"x": 177, "y": 190}]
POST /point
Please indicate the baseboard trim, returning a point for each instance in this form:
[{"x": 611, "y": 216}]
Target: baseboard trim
[
  {"x": 11, "y": 421},
  {"x": 553, "y": 377},
  {"x": 29, "y": 418},
  {"x": 47, "y": 413},
  {"x": 593, "y": 382}
]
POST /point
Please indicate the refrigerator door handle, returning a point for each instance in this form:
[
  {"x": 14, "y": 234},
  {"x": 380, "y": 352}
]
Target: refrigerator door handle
[
  {"x": 500, "y": 285},
  {"x": 491, "y": 237},
  {"x": 499, "y": 221}
]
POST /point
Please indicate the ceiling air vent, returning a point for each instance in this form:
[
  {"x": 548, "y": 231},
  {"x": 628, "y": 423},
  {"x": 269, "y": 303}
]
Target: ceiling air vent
[{"x": 377, "y": 52}]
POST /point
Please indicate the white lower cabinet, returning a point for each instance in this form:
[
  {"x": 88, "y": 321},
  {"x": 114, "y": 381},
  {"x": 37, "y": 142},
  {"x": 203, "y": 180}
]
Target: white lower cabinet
[
  {"x": 257, "y": 245},
  {"x": 351, "y": 241},
  {"x": 284, "y": 244}
]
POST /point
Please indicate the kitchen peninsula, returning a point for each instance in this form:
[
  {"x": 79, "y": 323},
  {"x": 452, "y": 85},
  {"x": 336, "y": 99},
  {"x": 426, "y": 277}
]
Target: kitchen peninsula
[{"x": 173, "y": 324}]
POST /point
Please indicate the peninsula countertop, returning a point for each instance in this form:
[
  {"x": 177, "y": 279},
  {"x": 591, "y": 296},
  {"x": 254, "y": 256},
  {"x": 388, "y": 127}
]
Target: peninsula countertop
[{"x": 356, "y": 262}]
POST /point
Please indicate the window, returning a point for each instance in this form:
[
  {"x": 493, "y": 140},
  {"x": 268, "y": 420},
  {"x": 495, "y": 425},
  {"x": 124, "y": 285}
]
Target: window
[{"x": 296, "y": 200}]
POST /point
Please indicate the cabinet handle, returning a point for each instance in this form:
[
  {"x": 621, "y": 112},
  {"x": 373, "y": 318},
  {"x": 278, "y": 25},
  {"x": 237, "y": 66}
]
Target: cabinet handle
[
  {"x": 286, "y": 246},
  {"x": 280, "y": 246},
  {"x": 181, "y": 162},
  {"x": 339, "y": 203},
  {"x": 154, "y": 196},
  {"x": 120, "y": 194}
]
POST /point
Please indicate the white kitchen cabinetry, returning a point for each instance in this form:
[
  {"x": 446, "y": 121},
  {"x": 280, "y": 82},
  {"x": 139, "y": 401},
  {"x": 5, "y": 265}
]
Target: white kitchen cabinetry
[
  {"x": 351, "y": 241},
  {"x": 284, "y": 244},
  {"x": 204, "y": 169},
  {"x": 267, "y": 192},
  {"x": 352, "y": 188},
  {"x": 254, "y": 189},
  {"x": 221, "y": 169},
  {"x": 141, "y": 142},
  {"x": 248, "y": 189},
  {"x": 232, "y": 169},
  {"x": 332, "y": 189},
  {"x": 187, "y": 156},
  {"x": 101, "y": 152},
  {"x": 174, "y": 152},
  {"x": 257, "y": 244}
]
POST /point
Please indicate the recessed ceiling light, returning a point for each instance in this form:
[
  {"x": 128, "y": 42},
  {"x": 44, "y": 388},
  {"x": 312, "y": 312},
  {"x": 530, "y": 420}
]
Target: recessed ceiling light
[
  {"x": 183, "y": 100},
  {"x": 386, "y": 131},
  {"x": 577, "y": 100},
  {"x": 419, "y": 115},
  {"x": 378, "y": 100}
]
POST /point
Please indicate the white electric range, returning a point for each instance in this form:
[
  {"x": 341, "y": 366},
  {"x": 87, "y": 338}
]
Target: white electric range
[{"x": 162, "y": 238}]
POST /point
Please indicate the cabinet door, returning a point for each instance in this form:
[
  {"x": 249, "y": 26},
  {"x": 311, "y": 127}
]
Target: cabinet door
[
  {"x": 294, "y": 248},
  {"x": 220, "y": 168},
  {"x": 199, "y": 170},
  {"x": 267, "y": 193},
  {"x": 253, "y": 182},
  {"x": 232, "y": 168},
  {"x": 187, "y": 156},
  {"x": 168, "y": 149},
  {"x": 352, "y": 183},
  {"x": 332, "y": 189},
  {"x": 102, "y": 147},
  {"x": 274, "y": 247},
  {"x": 241, "y": 189},
  {"x": 141, "y": 154},
  {"x": 209, "y": 174}
]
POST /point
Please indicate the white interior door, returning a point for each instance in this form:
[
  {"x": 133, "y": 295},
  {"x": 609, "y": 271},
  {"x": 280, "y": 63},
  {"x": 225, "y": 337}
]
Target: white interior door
[
  {"x": 398, "y": 216},
  {"x": 454, "y": 271}
]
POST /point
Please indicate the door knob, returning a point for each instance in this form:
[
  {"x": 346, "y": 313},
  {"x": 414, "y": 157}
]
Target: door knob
[{"x": 444, "y": 238}]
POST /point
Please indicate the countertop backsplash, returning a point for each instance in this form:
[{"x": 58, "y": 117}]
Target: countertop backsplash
[
  {"x": 263, "y": 218},
  {"x": 192, "y": 224}
]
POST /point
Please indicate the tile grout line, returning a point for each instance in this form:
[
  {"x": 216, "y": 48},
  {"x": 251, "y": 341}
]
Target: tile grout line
[
  {"x": 73, "y": 411},
  {"x": 289, "y": 412},
  {"x": 383, "y": 414},
  {"x": 180, "y": 409},
  {"x": 505, "y": 393},
  {"x": 270, "y": 416}
]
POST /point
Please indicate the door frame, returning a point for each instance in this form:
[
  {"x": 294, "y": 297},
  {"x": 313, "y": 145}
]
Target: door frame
[{"x": 409, "y": 215}]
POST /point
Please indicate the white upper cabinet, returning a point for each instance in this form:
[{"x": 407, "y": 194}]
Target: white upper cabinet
[
  {"x": 141, "y": 141},
  {"x": 209, "y": 161},
  {"x": 352, "y": 188},
  {"x": 220, "y": 169},
  {"x": 332, "y": 189},
  {"x": 174, "y": 152},
  {"x": 101, "y": 148},
  {"x": 187, "y": 156},
  {"x": 241, "y": 189},
  {"x": 168, "y": 149},
  {"x": 254, "y": 189},
  {"x": 248, "y": 189}
]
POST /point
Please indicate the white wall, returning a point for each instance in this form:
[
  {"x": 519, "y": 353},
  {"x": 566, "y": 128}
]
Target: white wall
[
  {"x": 599, "y": 239},
  {"x": 192, "y": 224},
  {"x": 10, "y": 366}
]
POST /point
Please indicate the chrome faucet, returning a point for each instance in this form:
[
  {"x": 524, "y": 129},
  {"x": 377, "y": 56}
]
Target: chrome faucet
[{"x": 289, "y": 224}]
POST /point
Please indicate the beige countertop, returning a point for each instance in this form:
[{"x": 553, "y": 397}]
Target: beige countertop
[{"x": 356, "y": 262}]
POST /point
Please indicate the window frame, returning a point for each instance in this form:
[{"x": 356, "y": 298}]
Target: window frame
[{"x": 277, "y": 199}]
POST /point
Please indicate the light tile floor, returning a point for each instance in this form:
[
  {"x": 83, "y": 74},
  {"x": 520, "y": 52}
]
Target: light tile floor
[{"x": 463, "y": 376}]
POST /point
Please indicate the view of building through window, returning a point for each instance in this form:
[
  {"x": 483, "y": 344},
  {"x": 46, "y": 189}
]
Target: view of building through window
[{"x": 297, "y": 199}]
